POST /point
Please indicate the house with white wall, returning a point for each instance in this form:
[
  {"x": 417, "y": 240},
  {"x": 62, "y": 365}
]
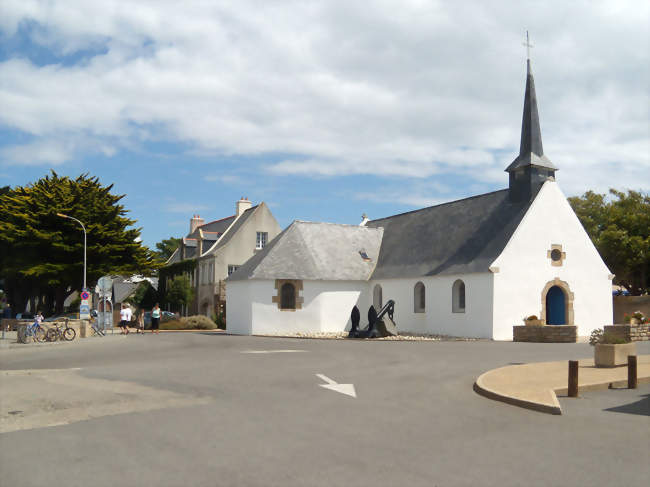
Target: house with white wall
[{"x": 473, "y": 267}]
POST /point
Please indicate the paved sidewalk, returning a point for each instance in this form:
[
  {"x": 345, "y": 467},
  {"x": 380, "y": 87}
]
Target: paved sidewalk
[
  {"x": 10, "y": 341},
  {"x": 535, "y": 386}
]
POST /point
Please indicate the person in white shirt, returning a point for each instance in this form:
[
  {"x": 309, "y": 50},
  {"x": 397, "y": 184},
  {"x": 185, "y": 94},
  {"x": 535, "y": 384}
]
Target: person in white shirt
[{"x": 125, "y": 318}]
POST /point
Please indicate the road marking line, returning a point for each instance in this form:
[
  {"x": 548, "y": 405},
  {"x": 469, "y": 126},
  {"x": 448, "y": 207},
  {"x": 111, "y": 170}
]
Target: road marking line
[
  {"x": 272, "y": 351},
  {"x": 347, "y": 389}
]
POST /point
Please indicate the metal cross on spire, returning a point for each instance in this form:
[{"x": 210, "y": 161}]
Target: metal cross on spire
[{"x": 528, "y": 46}]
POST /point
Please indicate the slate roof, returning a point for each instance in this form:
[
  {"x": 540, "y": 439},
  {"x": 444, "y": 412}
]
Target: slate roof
[
  {"x": 458, "y": 237},
  {"x": 315, "y": 251},
  {"x": 207, "y": 248},
  {"x": 214, "y": 228}
]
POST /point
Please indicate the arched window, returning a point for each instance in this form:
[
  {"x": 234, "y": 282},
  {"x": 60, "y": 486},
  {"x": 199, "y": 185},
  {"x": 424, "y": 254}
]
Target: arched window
[
  {"x": 419, "y": 298},
  {"x": 288, "y": 296},
  {"x": 377, "y": 298},
  {"x": 458, "y": 297}
]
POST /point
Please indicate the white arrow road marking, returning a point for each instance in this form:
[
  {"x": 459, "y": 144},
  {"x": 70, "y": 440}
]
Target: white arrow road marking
[
  {"x": 347, "y": 389},
  {"x": 272, "y": 351}
]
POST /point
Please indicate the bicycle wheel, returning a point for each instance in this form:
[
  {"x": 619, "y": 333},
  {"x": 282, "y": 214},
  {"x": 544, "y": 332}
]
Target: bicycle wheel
[
  {"x": 52, "y": 335},
  {"x": 69, "y": 334},
  {"x": 39, "y": 334}
]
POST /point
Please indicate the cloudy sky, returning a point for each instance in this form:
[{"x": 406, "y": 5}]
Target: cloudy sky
[{"x": 323, "y": 109}]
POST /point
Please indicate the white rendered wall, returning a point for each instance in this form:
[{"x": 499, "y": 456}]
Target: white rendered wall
[
  {"x": 238, "y": 307},
  {"x": 326, "y": 307},
  {"x": 524, "y": 268},
  {"x": 438, "y": 317}
]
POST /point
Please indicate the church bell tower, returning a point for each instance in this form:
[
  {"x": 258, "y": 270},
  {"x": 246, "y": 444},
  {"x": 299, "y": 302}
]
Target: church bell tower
[{"x": 531, "y": 168}]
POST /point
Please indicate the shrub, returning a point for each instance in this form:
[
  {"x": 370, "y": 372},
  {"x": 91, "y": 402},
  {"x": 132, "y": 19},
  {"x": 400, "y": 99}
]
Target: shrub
[
  {"x": 196, "y": 322},
  {"x": 172, "y": 325},
  {"x": 598, "y": 336},
  {"x": 220, "y": 320}
]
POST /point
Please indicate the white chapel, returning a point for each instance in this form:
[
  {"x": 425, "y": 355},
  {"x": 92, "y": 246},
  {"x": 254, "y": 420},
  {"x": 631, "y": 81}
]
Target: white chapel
[{"x": 473, "y": 267}]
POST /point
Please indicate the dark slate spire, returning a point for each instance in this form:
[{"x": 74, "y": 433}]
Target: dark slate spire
[
  {"x": 531, "y": 151},
  {"x": 531, "y": 167}
]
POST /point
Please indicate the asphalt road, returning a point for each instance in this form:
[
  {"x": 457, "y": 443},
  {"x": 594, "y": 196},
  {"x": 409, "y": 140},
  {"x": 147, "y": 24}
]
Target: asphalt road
[{"x": 199, "y": 410}]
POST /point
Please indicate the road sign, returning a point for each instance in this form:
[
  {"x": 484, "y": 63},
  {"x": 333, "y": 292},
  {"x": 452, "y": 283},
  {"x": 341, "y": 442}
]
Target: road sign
[
  {"x": 84, "y": 308},
  {"x": 105, "y": 285}
]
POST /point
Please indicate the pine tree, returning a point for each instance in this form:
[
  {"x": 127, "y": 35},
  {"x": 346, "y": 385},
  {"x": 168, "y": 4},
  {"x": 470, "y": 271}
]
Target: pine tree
[{"x": 41, "y": 254}]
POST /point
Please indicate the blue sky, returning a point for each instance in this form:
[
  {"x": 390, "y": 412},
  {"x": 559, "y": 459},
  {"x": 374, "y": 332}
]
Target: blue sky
[{"x": 324, "y": 110}]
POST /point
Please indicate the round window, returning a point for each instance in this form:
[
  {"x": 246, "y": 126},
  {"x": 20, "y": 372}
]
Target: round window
[{"x": 556, "y": 255}]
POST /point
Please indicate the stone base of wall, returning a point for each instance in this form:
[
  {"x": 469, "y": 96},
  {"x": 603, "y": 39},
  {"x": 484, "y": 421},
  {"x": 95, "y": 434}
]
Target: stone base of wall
[
  {"x": 630, "y": 333},
  {"x": 545, "y": 334}
]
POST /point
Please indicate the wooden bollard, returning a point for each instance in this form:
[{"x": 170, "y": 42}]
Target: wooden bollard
[
  {"x": 632, "y": 381},
  {"x": 573, "y": 378}
]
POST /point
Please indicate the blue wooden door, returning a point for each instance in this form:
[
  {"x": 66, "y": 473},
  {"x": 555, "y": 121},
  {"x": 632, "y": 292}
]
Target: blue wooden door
[{"x": 555, "y": 306}]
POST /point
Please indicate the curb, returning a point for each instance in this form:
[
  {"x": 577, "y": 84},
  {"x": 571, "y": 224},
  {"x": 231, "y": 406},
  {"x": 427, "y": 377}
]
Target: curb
[
  {"x": 535, "y": 406},
  {"x": 555, "y": 409}
]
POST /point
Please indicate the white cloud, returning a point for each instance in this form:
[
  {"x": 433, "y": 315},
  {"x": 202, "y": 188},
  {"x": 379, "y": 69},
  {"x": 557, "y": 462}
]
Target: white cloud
[{"x": 389, "y": 88}]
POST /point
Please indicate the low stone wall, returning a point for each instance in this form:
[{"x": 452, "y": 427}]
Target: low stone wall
[
  {"x": 545, "y": 334},
  {"x": 630, "y": 333},
  {"x": 11, "y": 324},
  {"x": 630, "y": 304}
]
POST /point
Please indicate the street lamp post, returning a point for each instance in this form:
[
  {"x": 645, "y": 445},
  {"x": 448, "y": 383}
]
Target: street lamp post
[{"x": 84, "y": 229}]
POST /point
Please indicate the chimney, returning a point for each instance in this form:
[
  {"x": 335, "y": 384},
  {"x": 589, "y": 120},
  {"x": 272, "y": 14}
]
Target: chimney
[
  {"x": 195, "y": 222},
  {"x": 242, "y": 205},
  {"x": 364, "y": 220}
]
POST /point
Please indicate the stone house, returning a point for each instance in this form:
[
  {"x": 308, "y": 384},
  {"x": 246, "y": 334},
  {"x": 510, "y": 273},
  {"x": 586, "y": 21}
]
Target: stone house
[{"x": 218, "y": 248}]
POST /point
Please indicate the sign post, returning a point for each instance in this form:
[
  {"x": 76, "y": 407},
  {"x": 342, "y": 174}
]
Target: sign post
[
  {"x": 84, "y": 308},
  {"x": 105, "y": 316}
]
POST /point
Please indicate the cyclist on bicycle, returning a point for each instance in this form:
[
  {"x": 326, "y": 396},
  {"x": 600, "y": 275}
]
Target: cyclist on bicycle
[{"x": 38, "y": 319}]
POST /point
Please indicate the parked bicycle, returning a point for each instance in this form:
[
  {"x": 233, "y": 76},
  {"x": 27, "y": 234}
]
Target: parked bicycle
[
  {"x": 34, "y": 331},
  {"x": 59, "y": 332}
]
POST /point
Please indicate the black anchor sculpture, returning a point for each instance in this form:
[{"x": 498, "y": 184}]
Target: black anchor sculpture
[{"x": 355, "y": 317}]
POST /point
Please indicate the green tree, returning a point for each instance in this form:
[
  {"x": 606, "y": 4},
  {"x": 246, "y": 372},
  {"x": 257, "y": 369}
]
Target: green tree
[
  {"x": 179, "y": 291},
  {"x": 145, "y": 296},
  {"x": 619, "y": 226},
  {"x": 167, "y": 247},
  {"x": 41, "y": 254}
]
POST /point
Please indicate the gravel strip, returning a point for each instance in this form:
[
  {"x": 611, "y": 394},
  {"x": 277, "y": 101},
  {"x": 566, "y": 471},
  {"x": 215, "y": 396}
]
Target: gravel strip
[{"x": 400, "y": 337}]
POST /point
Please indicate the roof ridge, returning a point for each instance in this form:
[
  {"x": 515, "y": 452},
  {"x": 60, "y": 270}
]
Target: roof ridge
[
  {"x": 440, "y": 204},
  {"x": 351, "y": 225},
  {"x": 215, "y": 221}
]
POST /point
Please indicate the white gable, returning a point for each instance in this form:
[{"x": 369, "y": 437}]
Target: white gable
[{"x": 524, "y": 268}]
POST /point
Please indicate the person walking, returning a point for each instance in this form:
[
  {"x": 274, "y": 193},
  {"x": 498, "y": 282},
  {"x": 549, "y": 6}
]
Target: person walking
[
  {"x": 140, "y": 328},
  {"x": 125, "y": 318},
  {"x": 155, "y": 319}
]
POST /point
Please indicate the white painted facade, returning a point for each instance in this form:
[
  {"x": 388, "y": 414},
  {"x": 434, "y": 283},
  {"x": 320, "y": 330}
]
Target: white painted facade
[
  {"x": 524, "y": 268},
  {"x": 494, "y": 301},
  {"x": 326, "y": 307},
  {"x": 438, "y": 316}
]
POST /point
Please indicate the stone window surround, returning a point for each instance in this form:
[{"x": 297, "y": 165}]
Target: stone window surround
[
  {"x": 568, "y": 303},
  {"x": 277, "y": 298},
  {"x": 556, "y": 263}
]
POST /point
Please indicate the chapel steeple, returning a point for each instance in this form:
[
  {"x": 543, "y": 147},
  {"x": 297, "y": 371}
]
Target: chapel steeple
[{"x": 531, "y": 167}]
